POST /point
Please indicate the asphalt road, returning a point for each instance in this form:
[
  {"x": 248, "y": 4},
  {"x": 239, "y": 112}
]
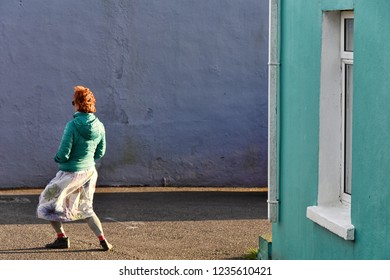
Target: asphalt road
[{"x": 143, "y": 223}]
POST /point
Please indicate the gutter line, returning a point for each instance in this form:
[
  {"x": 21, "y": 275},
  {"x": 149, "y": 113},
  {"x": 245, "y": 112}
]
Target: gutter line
[{"x": 273, "y": 116}]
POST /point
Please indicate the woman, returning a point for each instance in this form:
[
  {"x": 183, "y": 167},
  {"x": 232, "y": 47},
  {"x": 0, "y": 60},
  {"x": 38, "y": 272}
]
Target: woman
[{"x": 69, "y": 196}]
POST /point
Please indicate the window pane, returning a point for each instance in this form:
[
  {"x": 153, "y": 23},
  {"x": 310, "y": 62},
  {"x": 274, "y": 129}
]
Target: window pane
[
  {"x": 348, "y": 127},
  {"x": 348, "y": 34}
]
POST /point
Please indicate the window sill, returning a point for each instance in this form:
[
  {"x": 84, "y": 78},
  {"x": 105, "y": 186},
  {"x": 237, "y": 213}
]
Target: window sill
[{"x": 336, "y": 219}]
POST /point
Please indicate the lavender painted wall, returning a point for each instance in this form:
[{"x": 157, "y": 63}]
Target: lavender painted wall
[{"x": 181, "y": 86}]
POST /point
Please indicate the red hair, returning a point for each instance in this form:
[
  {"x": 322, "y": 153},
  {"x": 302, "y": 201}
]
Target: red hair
[{"x": 85, "y": 99}]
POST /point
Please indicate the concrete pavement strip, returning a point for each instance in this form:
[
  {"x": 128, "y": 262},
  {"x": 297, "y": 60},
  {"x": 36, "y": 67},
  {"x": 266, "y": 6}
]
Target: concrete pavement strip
[{"x": 143, "y": 223}]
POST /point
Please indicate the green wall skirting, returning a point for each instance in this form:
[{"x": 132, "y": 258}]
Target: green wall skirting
[{"x": 265, "y": 247}]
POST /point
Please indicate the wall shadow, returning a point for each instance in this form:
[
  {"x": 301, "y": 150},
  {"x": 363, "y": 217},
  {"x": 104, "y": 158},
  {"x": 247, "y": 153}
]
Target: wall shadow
[{"x": 151, "y": 206}]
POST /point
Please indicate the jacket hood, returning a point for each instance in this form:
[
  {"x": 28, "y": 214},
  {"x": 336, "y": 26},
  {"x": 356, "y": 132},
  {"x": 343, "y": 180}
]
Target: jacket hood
[{"x": 87, "y": 124}]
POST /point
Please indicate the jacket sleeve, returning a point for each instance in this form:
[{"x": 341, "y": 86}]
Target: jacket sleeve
[
  {"x": 66, "y": 144},
  {"x": 101, "y": 147}
]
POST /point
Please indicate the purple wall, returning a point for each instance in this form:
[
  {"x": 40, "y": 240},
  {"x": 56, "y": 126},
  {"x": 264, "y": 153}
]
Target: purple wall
[{"x": 181, "y": 86}]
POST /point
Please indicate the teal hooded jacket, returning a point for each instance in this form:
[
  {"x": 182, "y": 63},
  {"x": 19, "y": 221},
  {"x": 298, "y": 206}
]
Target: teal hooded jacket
[{"x": 83, "y": 142}]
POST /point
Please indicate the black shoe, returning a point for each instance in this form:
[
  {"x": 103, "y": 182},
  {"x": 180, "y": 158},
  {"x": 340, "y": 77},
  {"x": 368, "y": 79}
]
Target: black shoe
[
  {"x": 59, "y": 243},
  {"x": 105, "y": 245}
]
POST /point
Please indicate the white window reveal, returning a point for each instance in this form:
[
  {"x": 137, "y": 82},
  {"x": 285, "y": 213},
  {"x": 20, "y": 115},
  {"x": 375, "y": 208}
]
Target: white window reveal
[{"x": 335, "y": 140}]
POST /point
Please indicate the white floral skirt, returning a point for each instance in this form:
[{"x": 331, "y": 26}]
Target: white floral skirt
[{"x": 68, "y": 196}]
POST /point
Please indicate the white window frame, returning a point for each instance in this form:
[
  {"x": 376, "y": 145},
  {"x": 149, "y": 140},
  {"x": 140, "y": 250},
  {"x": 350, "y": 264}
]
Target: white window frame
[
  {"x": 333, "y": 209},
  {"x": 346, "y": 143},
  {"x": 346, "y": 59},
  {"x": 344, "y": 54}
]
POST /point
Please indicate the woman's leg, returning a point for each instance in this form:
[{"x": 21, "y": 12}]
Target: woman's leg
[
  {"x": 62, "y": 241},
  {"x": 57, "y": 226},
  {"x": 96, "y": 226}
]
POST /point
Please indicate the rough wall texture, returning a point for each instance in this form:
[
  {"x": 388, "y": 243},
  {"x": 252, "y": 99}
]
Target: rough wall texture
[{"x": 181, "y": 86}]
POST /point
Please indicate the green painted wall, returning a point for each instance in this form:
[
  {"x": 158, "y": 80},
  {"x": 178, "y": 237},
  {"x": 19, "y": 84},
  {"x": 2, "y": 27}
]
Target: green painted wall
[
  {"x": 371, "y": 146},
  {"x": 295, "y": 236}
]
